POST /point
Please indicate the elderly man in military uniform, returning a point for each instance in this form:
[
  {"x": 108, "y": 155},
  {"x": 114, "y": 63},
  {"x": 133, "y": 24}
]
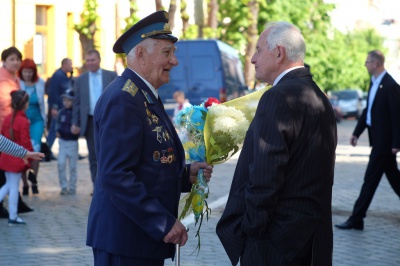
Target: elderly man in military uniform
[{"x": 141, "y": 161}]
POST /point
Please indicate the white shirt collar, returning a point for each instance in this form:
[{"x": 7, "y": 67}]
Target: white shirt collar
[
  {"x": 284, "y": 73},
  {"x": 379, "y": 78},
  {"x": 147, "y": 83},
  {"x": 97, "y": 72}
]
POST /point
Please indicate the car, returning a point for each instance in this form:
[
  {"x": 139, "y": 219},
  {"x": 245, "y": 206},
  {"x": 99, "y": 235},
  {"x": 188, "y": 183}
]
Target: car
[
  {"x": 350, "y": 102},
  {"x": 207, "y": 68},
  {"x": 364, "y": 99},
  {"x": 336, "y": 108}
]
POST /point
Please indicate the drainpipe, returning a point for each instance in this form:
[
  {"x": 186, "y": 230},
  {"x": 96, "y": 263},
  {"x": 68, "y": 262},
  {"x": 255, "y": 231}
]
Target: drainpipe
[{"x": 13, "y": 22}]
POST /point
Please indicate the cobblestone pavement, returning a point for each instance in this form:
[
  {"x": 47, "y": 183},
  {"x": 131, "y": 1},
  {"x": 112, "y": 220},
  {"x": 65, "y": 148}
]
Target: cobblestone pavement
[{"x": 56, "y": 230}]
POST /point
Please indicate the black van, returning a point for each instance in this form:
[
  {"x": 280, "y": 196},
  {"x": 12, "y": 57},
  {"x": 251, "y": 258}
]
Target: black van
[{"x": 207, "y": 68}]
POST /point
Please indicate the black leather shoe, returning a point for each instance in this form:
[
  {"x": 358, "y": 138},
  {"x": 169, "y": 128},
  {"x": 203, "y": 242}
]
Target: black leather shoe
[
  {"x": 25, "y": 190},
  {"x": 32, "y": 177},
  {"x": 35, "y": 189},
  {"x": 350, "y": 224}
]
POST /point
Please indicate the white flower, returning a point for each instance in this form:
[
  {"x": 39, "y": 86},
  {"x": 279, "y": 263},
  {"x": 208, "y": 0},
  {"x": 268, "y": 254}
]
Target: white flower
[{"x": 228, "y": 120}]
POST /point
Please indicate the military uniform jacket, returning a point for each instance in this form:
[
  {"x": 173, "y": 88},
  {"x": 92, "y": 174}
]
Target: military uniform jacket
[{"x": 141, "y": 172}]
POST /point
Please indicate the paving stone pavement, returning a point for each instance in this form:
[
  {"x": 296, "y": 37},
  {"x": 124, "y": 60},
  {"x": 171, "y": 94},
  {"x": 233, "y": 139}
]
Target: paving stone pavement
[{"x": 55, "y": 232}]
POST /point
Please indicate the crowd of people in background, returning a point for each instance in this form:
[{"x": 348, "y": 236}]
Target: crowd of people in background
[
  {"x": 29, "y": 130},
  {"x": 279, "y": 209}
]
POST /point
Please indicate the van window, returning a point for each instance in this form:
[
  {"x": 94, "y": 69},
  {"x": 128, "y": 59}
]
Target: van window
[{"x": 202, "y": 70}]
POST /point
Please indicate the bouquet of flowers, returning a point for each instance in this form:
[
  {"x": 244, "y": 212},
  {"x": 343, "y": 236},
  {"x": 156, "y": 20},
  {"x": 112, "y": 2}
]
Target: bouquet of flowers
[{"x": 212, "y": 132}]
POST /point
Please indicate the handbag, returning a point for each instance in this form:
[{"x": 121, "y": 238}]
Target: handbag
[{"x": 45, "y": 149}]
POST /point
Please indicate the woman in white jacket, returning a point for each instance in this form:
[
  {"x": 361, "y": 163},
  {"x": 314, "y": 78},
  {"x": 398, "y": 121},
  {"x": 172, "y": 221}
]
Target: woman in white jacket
[{"x": 34, "y": 86}]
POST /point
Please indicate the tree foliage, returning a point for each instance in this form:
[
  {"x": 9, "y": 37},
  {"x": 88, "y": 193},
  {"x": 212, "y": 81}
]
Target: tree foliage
[
  {"x": 87, "y": 28},
  {"x": 336, "y": 59},
  {"x": 133, "y": 18}
]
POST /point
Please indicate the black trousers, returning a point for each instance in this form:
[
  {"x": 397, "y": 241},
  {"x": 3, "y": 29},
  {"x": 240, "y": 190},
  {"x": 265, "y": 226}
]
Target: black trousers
[
  {"x": 102, "y": 258},
  {"x": 378, "y": 165},
  {"x": 264, "y": 253},
  {"x": 2, "y": 178},
  {"x": 89, "y": 135}
]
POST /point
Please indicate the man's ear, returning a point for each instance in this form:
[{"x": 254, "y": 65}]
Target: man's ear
[
  {"x": 139, "y": 52},
  {"x": 281, "y": 53}
]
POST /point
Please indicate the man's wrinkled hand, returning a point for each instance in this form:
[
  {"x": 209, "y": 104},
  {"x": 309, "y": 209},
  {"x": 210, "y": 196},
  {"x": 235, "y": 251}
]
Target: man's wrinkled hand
[
  {"x": 177, "y": 234},
  {"x": 196, "y": 166}
]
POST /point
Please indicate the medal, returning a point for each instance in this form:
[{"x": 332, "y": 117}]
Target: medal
[{"x": 158, "y": 130}]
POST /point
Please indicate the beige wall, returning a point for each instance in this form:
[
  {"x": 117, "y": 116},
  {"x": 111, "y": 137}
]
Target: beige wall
[{"x": 25, "y": 29}]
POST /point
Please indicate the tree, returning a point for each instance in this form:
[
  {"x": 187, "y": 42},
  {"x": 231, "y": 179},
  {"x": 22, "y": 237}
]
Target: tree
[
  {"x": 336, "y": 58},
  {"x": 241, "y": 23},
  {"x": 213, "y": 14},
  {"x": 159, "y": 5},
  {"x": 185, "y": 18},
  {"x": 199, "y": 16},
  {"x": 252, "y": 37},
  {"x": 87, "y": 28},
  {"x": 133, "y": 18},
  {"x": 171, "y": 12}
]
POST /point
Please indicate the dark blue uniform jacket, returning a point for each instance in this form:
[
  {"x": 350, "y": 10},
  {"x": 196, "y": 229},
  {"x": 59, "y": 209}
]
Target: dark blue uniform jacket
[{"x": 141, "y": 172}]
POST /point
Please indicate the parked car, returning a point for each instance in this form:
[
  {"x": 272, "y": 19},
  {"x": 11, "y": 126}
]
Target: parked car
[
  {"x": 364, "y": 99},
  {"x": 207, "y": 68},
  {"x": 336, "y": 108},
  {"x": 350, "y": 102}
]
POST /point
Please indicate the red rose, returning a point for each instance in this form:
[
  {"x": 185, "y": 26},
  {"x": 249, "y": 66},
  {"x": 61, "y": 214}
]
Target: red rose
[{"x": 210, "y": 101}]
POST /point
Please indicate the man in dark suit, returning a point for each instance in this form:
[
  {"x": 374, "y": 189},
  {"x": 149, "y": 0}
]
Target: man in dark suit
[
  {"x": 382, "y": 119},
  {"x": 88, "y": 88},
  {"x": 141, "y": 161},
  {"x": 279, "y": 206}
]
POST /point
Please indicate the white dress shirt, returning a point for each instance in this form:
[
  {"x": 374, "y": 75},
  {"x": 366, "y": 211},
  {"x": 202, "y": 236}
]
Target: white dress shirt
[
  {"x": 372, "y": 92},
  {"x": 95, "y": 88}
]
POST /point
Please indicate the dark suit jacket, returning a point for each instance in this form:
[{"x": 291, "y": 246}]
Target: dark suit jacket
[
  {"x": 141, "y": 172},
  {"x": 82, "y": 97},
  {"x": 384, "y": 133},
  {"x": 282, "y": 186}
]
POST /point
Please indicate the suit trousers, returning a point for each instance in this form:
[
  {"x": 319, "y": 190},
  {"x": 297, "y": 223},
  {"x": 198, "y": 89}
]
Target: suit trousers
[
  {"x": 377, "y": 165},
  {"x": 89, "y": 135},
  {"x": 264, "y": 253},
  {"x": 103, "y": 258}
]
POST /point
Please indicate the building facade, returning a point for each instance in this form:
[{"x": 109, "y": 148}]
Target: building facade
[{"x": 44, "y": 30}]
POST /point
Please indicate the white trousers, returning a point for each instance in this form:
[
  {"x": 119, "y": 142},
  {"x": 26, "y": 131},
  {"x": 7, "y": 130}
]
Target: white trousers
[
  {"x": 68, "y": 152},
  {"x": 11, "y": 187}
]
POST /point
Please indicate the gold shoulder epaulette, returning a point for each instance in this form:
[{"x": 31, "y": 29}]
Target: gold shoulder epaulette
[{"x": 130, "y": 87}]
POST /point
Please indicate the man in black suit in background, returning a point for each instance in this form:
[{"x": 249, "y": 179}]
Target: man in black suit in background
[
  {"x": 279, "y": 206},
  {"x": 382, "y": 119}
]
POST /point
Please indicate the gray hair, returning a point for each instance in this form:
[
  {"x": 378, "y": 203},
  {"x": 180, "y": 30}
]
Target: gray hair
[
  {"x": 148, "y": 44},
  {"x": 289, "y": 36}
]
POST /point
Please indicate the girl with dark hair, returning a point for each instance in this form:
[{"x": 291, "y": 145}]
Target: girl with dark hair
[
  {"x": 34, "y": 86},
  {"x": 15, "y": 128}
]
